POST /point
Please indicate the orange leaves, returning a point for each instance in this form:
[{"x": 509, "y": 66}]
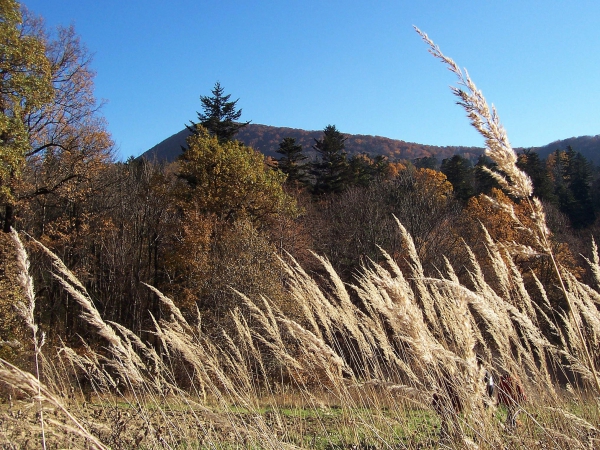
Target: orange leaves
[
  {"x": 433, "y": 183},
  {"x": 187, "y": 258},
  {"x": 505, "y": 220}
]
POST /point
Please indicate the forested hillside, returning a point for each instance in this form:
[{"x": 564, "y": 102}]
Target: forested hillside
[{"x": 266, "y": 138}]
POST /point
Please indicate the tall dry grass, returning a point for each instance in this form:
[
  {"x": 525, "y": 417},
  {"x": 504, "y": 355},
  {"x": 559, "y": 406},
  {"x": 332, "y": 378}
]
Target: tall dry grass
[
  {"x": 396, "y": 359},
  {"x": 514, "y": 181}
]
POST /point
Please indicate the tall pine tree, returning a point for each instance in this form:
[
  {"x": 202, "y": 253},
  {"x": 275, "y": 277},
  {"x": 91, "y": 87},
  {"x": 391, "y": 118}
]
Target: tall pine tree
[
  {"x": 219, "y": 116},
  {"x": 459, "y": 172},
  {"x": 534, "y": 166},
  {"x": 579, "y": 174},
  {"x": 330, "y": 169},
  {"x": 571, "y": 173},
  {"x": 291, "y": 162}
]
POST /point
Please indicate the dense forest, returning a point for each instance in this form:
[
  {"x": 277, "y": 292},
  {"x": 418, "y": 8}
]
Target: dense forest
[
  {"x": 318, "y": 237},
  {"x": 201, "y": 226}
]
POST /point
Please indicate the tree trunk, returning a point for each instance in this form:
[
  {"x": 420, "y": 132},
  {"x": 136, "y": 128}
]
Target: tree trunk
[{"x": 9, "y": 217}]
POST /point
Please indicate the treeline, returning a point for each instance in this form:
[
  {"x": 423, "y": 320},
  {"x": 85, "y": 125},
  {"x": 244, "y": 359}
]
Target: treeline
[
  {"x": 565, "y": 179},
  {"x": 266, "y": 139},
  {"x": 212, "y": 224}
]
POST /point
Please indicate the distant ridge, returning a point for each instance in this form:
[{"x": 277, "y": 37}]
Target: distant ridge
[
  {"x": 266, "y": 139},
  {"x": 588, "y": 146}
]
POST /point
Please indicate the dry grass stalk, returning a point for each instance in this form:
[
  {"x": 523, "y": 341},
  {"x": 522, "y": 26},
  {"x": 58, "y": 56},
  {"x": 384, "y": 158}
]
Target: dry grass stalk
[
  {"x": 126, "y": 362},
  {"x": 595, "y": 263},
  {"x": 486, "y": 121},
  {"x": 26, "y": 311},
  {"x": 407, "y": 356},
  {"x": 27, "y": 383}
]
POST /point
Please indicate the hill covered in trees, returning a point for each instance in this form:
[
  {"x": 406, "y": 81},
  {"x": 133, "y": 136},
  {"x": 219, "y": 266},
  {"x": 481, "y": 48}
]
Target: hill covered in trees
[{"x": 266, "y": 139}]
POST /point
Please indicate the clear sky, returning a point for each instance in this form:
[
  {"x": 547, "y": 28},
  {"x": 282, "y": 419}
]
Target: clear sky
[{"x": 356, "y": 64}]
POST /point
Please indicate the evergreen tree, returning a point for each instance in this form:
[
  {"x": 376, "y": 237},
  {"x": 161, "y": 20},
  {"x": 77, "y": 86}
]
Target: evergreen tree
[
  {"x": 572, "y": 186},
  {"x": 219, "y": 115},
  {"x": 291, "y": 162},
  {"x": 331, "y": 167},
  {"x": 579, "y": 174},
  {"x": 360, "y": 170},
  {"x": 426, "y": 162},
  {"x": 534, "y": 166},
  {"x": 363, "y": 170},
  {"x": 459, "y": 172},
  {"x": 484, "y": 181}
]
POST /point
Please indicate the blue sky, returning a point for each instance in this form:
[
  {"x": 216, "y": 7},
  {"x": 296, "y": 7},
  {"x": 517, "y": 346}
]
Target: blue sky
[{"x": 356, "y": 64}]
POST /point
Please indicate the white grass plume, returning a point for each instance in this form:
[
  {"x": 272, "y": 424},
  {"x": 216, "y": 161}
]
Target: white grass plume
[
  {"x": 26, "y": 311},
  {"x": 487, "y": 123},
  {"x": 512, "y": 179}
]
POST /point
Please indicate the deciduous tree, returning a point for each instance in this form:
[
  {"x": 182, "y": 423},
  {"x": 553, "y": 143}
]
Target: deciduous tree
[
  {"x": 25, "y": 86},
  {"x": 231, "y": 180}
]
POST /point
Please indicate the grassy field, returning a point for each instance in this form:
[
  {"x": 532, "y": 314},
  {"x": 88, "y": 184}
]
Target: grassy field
[
  {"x": 346, "y": 375},
  {"x": 397, "y": 359}
]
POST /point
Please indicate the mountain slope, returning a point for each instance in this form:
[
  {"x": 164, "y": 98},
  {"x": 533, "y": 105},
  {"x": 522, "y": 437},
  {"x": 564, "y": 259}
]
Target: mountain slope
[{"x": 266, "y": 139}]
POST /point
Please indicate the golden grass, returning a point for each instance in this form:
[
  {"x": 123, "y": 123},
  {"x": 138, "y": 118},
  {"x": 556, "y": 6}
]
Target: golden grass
[
  {"x": 394, "y": 360},
  {"x": 362, "y": 367}
]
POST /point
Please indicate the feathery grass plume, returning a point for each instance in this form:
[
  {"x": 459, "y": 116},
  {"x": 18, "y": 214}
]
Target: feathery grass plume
[
  {"x": 402, "y": 315},
  {"x": 245, "y": 337},
  {"x": 487, "y": 123},
  {"x": 418, "y": 275},
  {"x": 516, "y": 182},
  {"x": 307, "y": 293},
  {"x": 89, "y": 364},
  {"x": 436, "y": 366},
  {"x": 268, "y": 323},
  {"x": 337, "y": 320},
  {"x": 344, "y": 317},
  {"x": 26, "y": 311},
  {"x": 522, "y": 298},
  {"x": 169, "y": 303},
  {"x": 381, "y": 317},
  {"x": 183, "y": 344},
  {"x": 499, "y": 266},
  {"x": 128, "y": 363},
  {"x": 587, "y": 314},
  {"x": 241, "y": 364},
  {"x": 594, "y": 263},
  {"x": 157, "y": 369},
  {"x": 323, "y": 358}
]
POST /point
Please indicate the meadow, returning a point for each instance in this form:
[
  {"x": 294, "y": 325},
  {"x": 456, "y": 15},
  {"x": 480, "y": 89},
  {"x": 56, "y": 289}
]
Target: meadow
[{"x": 396, "y": 359}]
